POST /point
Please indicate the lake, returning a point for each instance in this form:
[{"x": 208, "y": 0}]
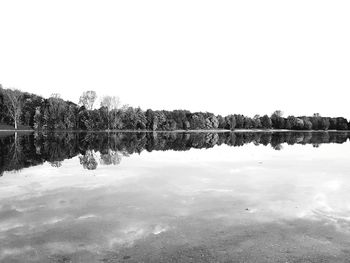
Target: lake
[{"x": 175, "y": 197}]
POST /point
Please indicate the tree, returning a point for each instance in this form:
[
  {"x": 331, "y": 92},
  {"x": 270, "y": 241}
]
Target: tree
[
  {"x": 341, "y": 123},
  {"x": 319, "y": 122},
  {"x": 294, "y": 123},
  {"x": 197, "y": 121},
  {"x": 134, "y": 119},
  {"x": 299, "y": 124},
  {"x": 13, "y": 102},
  {"x": 71, "y": 115},
  {"x": 239, "y": 121},
  {"x": 278, "y": 113},
  {"x": 30, "y": 103},
  {"x": 180, "y": 117},
  {"x": 111, "y": 103},
  {"x": 214, "y": 122},
  {"x": 222, "y": 122},
  {"x": 307, "y": 123},
  {"x": 38, "y": 119},
  {"x": 266, "y": 122},
  {"x": 232, "y": 122},
  {"x": 257, "y": 121},
  {"x": 324, "y": 124},
  {"x": 57, "y": 108},
  {"x": 248, "y": 123},
  {"x": 87, "y": 99},
  {"x": 55, "y": 95},
  {"x": 277, "y": 120}
]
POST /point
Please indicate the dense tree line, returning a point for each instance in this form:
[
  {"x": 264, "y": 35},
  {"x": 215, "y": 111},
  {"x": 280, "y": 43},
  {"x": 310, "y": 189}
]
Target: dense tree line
[
  {"x": 103, "y": 148},
  {"x": 55, "y": 113}
]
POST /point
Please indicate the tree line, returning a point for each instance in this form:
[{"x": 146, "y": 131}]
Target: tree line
[{"x": 54, "y": 113}]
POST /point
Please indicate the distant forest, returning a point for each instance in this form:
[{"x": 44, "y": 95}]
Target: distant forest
[{"x": 20, "y": 109}]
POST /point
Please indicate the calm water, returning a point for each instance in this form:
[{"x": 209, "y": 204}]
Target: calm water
[{"x": 175, "y": 197}]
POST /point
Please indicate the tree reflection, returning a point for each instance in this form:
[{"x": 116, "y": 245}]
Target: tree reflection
[
  {"x": 111, "y": 157},
  {"x": 24, "y": 150},
  {"x": 15, "y": 152},
  {"x": 88, "y": 160},
  {"x": 56, "y": 164},
  {"x": 277, "y": 147}
]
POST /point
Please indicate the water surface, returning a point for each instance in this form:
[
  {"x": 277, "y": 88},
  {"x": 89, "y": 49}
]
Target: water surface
[{"x": 175, "y": 197}]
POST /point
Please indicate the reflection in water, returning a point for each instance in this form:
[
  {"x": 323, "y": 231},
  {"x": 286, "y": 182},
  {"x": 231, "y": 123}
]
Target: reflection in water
[
  {"x": 110, "y": 157},
  {"x": 109, "y": 148},
  {"x": 245, "y": 204},
  {"x": 88, "y": 160}
]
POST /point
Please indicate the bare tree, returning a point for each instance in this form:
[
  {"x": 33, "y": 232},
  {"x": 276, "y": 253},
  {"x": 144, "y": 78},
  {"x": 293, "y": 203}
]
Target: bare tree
[
  {"x": 55, "y": 95},
  {"x": 14, "y": 103},
  {"x": 112, "y": 104},
  {"x": 87, "y": 99}
]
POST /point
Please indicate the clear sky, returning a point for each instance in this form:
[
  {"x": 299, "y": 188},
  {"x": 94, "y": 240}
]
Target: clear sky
[{"x": 221, "y": 56}]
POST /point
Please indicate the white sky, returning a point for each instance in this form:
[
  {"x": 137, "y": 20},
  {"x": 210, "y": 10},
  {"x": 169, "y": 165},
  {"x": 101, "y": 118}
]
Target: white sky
[{"x": 220, "y": 56}]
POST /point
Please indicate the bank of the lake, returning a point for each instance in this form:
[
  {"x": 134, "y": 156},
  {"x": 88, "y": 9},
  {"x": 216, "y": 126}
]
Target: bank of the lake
[{"x": 174, "y": 131}]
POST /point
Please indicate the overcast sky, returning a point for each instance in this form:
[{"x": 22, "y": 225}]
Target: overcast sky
[{"x": 221, "y": 56}]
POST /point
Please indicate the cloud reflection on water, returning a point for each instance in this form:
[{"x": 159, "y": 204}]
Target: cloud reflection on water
[{"x": 70, "y": 209}]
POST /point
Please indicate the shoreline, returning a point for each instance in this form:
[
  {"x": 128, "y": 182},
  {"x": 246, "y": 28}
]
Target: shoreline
[{"x": 181, "y": 131}]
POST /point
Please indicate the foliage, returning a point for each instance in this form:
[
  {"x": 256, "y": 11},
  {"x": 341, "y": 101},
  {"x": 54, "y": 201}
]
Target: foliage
[
  {"x": 97, "y": 149},
  {"x": 13, "y": 102},
  {"x": 54, "y": 113},
  {"x": 87, "y": 99}
]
